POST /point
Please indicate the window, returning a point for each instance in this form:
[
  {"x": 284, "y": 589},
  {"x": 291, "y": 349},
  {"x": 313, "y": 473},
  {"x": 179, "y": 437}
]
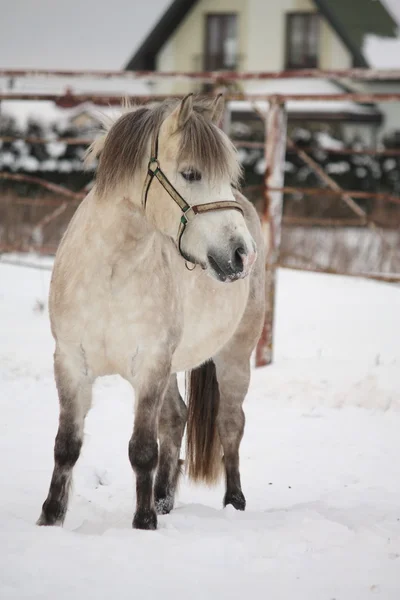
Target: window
[
  {"x": 221, "y": 42},
  {"x": 302, "y": 37}
]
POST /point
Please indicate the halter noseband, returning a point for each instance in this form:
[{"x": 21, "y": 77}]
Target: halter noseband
[{"x": 189, "y": 212}]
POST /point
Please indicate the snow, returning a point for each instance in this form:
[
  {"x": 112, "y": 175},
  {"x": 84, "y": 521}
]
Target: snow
[
  {"x": 382, "y": 53},
  {"x": 24, "y": 110},
  {"x": 302, "y": 86},
  {"x": 48, "y": 113},
  {"x": 327, "y": 141},
  {"x": 319, "y": 461},
  {"x": 337, "y": 168}
]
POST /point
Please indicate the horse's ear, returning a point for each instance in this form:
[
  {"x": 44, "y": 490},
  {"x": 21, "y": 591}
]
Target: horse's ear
[
  {"x": 217, "y": 109},
  {"x": 180, "y": 115},
  {"x": 185, "y": 110}
]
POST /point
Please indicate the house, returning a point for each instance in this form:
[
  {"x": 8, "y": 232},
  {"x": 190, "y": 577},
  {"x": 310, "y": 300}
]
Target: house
[
  {"x": 383, "y": 52},
  {"x": 273, "y": 35}
]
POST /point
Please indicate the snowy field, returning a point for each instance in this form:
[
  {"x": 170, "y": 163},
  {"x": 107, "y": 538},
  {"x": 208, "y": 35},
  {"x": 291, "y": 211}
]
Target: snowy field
[{"x": 320, "y": 465}]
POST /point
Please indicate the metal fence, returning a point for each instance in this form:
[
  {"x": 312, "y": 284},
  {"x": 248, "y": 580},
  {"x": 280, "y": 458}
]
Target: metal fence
[{"x": 276, "y": 143}]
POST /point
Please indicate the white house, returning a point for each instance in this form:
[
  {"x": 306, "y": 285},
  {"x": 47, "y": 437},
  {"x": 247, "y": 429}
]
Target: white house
[{"x": 273, "y": 35}]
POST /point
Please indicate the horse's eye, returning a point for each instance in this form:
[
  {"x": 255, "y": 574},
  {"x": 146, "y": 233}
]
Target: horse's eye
[{"x": 191, "y": 175}]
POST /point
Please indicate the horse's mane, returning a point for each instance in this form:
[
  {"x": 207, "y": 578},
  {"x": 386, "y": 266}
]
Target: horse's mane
[{"x": 124, "y": 146}]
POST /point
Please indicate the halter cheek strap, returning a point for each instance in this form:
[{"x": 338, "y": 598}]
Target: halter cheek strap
[{"x": 189, "y": 212}]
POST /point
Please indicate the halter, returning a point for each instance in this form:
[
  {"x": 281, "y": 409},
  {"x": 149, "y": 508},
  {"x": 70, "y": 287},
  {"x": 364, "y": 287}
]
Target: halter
[{"x": 189, "y": 212}]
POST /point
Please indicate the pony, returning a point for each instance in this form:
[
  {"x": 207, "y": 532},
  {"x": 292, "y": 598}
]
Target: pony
[{"x": 161, "y": 270}]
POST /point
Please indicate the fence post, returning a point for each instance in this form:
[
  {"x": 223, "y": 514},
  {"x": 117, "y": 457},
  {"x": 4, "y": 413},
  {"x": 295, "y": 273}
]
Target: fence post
[{"x": 275, "y": 146}]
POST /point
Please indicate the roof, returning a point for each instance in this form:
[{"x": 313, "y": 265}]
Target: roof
[
  {"x": 317, "y": 110},
  {"x": 355, "y": 19},
  {"x": 145, "y": 57},
  {"x": 382, "y": 53},
  {"x": 352, "y": 20}
]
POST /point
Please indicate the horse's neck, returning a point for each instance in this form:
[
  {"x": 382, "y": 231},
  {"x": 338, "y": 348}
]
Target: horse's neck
[{"x": 121, "y": 225}]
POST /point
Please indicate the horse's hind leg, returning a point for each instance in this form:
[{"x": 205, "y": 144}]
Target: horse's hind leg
[
  {"x": 171, "y": 426},
  {"x": 233, "y": 374},
  {"x": 74, "y": 391}
]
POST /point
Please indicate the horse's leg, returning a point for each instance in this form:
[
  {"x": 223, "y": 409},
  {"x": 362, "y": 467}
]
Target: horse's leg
[
  {"x": 75, "y": 394},
  {"x": 170, "y": 432},
  {"x": 143, "y": 447},
  {"x": 233, "y": 375}
]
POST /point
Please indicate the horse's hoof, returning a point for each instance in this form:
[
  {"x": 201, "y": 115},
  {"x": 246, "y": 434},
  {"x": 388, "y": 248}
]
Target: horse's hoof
[
  {"x": 47, "y": 521},
  {"x": 145, "y": 520},
  {"x": 164, "y": 505},
  {"x": 237, "y": 500},
  {"x": 53, "y": 513}
]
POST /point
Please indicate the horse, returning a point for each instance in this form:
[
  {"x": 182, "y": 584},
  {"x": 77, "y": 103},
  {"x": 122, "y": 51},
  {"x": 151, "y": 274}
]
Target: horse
[{"x": 160, "y": 271}]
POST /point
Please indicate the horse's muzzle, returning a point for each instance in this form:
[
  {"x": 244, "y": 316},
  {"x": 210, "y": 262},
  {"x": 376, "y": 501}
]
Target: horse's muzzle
[{"x": 234, "y": 265}]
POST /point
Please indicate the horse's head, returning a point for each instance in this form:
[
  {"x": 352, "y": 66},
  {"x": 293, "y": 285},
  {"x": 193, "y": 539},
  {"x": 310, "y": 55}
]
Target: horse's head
[{"x": 186, "y": 166}]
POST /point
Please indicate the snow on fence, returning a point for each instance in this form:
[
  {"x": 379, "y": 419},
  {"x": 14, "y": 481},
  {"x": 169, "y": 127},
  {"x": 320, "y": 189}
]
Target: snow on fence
[{"x": 274, "y": 148}]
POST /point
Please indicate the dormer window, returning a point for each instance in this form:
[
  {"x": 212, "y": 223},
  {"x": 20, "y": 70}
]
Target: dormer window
[{"x": 302, "y": 40}]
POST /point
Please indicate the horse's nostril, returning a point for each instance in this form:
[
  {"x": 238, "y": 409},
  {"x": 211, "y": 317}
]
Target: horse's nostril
[{"x": 239, "y": 255}]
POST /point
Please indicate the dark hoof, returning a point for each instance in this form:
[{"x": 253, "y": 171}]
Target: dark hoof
[
  {"x": 48, "y": 521},
  {"x": 145, "y": 520},
  {"x": 53, "y": 513},
  {"x": 164, "y": 505},
  {"x": 237, "y": 500}
]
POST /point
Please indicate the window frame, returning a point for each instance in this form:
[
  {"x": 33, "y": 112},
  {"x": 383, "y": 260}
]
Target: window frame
[
  {"x": 289, "y": 16},
  {"x": 206, "y": 54}
]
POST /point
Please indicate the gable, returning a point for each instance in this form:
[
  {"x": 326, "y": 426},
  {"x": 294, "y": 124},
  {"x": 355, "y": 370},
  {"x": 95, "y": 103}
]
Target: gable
[
  {"x": 352, "y": 20},
  {"x": 145, "y": 57}
]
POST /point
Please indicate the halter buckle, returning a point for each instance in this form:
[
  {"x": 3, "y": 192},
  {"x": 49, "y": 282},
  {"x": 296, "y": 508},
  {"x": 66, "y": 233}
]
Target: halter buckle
[{"x": 188, "y": 215}]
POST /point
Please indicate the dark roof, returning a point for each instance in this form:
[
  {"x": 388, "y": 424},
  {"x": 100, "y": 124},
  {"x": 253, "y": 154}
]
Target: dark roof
[
  {"x": 145, "y": 57},
  {"x": 351, "y": 20}
]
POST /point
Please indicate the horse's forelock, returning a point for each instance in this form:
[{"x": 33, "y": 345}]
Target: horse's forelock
[
  {"x": 122, "y": 149},
  {"x": 208, "y": 149}
]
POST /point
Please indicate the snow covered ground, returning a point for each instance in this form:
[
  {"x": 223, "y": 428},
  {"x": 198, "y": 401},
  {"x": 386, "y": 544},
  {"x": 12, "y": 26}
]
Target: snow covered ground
[{"x": 320, "y": 465}]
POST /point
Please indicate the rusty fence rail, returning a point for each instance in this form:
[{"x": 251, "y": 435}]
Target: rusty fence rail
[
  {"x": 207, "y": 76},
  {"x": 115, "y": 99},
  {"x": 275, "y": 146}
]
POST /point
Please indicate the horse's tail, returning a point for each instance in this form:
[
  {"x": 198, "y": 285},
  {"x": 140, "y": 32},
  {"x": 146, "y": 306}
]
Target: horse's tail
[{"x": 203, "y": 446}]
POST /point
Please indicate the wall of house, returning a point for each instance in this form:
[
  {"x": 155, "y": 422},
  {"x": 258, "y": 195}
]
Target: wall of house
[
  {"x": 166, "y": 62},
  {"x": 334, "y": 54},
  {"x": 261, "y": 43},
  {"x": 185, "y": 48},
  {"x": 267, "y": 37}
]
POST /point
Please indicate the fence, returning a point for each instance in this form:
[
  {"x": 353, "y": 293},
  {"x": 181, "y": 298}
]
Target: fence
[{"x": 276, "y": 142}]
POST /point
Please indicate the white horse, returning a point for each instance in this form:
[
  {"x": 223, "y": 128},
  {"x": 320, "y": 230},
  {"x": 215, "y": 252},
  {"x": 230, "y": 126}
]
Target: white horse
[{"x": 125, "y": 298}]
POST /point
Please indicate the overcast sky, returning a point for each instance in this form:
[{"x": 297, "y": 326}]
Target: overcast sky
[
  {"x": 74, "y": 34},
  {"x": 79, "y": 34}
]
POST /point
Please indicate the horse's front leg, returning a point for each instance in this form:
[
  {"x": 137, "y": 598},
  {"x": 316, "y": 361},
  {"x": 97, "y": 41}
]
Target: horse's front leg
[
  {"x": 75, "y": 395},
  {"x": 143, "y": 447}
]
